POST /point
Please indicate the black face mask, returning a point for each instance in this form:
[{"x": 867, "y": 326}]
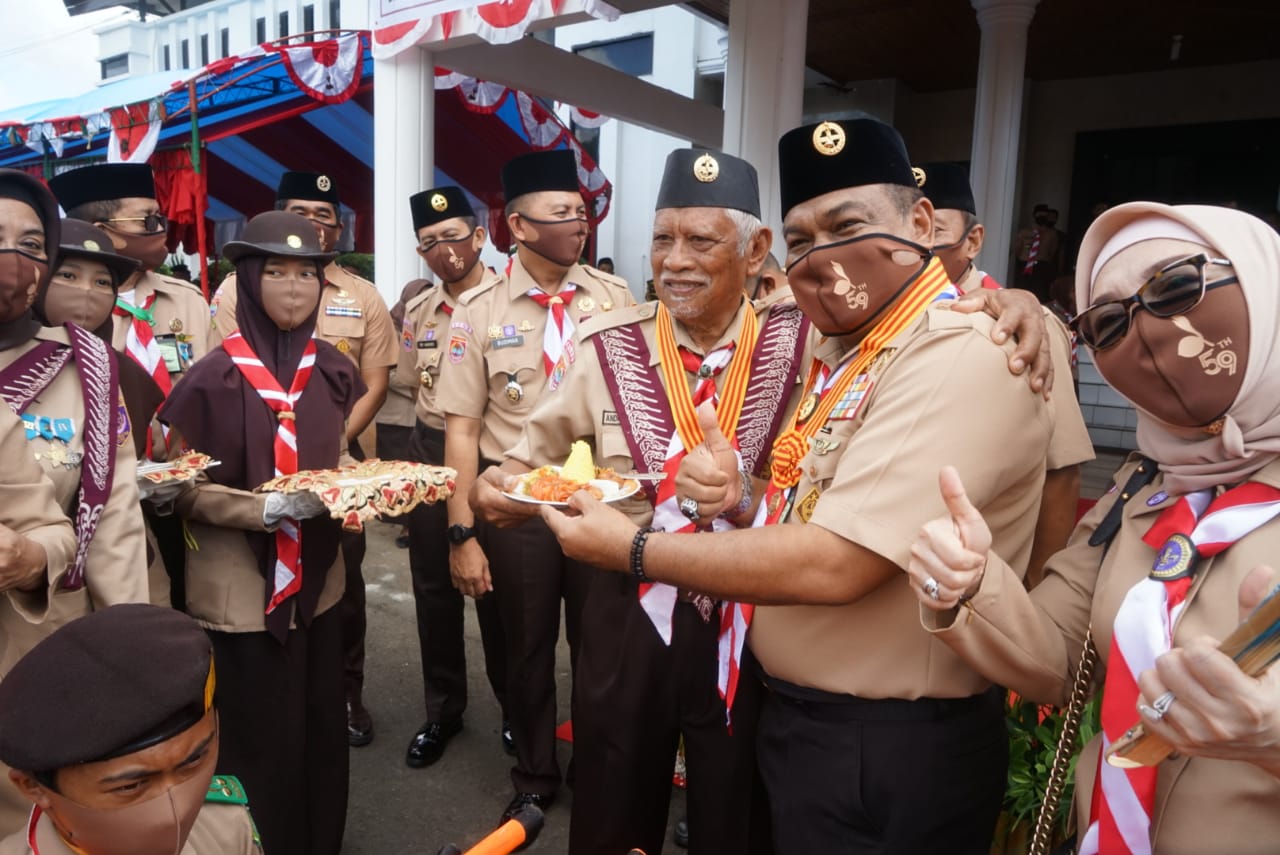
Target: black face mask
[
  {"x": 559, "y": 241},
  {"x": 844, "y": 287},
  {"x": 452, "y": 260},
  {"x": 952, "y": 258}
]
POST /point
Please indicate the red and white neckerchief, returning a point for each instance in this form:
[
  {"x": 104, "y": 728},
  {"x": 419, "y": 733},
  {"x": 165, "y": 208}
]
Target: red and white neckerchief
[
  {"x": 1197, "y": 526},
  {"x": 287, "y": 576},
  {"x": 557, "y": 336},
  {"x": 1033, "y": 253},
  {"x": 140, "y": 343}
]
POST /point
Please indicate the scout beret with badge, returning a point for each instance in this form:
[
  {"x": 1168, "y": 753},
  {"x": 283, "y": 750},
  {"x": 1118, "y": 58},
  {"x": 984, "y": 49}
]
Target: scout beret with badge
[
  {"x": 101, "y": 182},
  {"x": 540, "y": 171},
  {"x": 946, "y": 185},
  {"x": 113, "y": 682},
  {"x": 278, "y": 233},
  {"x": 307, "y": 187},
  {"x": 697, "y": 178},
  {"x": 817, "y": 159},
  {"x": 439, "y": 204},
  {"x": 83, "y": 240}
]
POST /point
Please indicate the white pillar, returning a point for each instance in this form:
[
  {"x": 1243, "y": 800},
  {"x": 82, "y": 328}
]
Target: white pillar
[
  {"x": 997, "y": 123},
  {"x": 404, "y": 101},
  {"x": 764, "y": 90}
]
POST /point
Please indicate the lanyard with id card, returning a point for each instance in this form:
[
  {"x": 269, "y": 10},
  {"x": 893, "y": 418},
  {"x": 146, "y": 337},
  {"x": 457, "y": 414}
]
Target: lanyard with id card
[{"x": 171, "y": 351}]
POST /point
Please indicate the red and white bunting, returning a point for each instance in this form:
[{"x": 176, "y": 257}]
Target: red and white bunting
[
  {"x": 135, "y": 130},
  {"x": 585, "y": 118},
  {"x": 329, "y": 70}
]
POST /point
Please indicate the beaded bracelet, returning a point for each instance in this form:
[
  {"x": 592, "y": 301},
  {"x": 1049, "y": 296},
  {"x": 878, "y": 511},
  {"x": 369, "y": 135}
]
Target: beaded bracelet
[
  {"x": 744, "y": 504},
  {"x": 637, "y": 552}
]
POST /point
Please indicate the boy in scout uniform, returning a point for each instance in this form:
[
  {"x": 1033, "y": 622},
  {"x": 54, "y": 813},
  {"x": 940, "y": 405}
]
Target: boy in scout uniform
[
  {"x": 647, "y": 670},
  {"x": 132, "y": 772},
  {"x": 355, "y": 320},
  {"x": 449, "y": 241},
  {"x": 510, "y": 344},
  {"x": 858, "y": 690}
]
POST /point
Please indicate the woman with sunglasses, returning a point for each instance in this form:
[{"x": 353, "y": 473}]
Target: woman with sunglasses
[{"x": 1181, "y": 311}]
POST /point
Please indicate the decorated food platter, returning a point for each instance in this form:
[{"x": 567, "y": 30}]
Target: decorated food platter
[
  {"x": 184, "y": 468},
  {"x": 363, "y": 491}
]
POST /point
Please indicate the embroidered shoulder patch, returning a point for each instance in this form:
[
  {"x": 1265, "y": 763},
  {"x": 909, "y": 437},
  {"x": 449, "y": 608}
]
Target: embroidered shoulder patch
[
  {"x": 227, "y": 790},
  {"x": 124, "y": 431},
  {"x": 457, "y": 348}
]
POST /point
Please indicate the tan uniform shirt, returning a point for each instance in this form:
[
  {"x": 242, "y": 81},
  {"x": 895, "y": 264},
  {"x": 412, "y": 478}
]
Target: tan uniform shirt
[
  {"x": 353, "y": 317},
  {"x": 220, "y": 829},
  {"x": 584, "y": 409},
  {"x": 1050, "y": 245},
  {"x": 943, "y": 396},
  {"x": 1031, "y": 642},
  {"x": 495, "y": 338},
  {"x": 424, "y": 343},
  {"x": 179, "y": 310}
]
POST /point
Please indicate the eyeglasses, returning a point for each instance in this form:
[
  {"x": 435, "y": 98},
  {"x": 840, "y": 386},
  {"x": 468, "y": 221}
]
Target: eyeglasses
[
  {"x": 151, "y": 222},
  {"x": 1176, "y": 289}
]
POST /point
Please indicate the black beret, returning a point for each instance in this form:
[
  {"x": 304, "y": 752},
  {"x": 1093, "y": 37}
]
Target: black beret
[
  {"x": 278, "y": 233},
  {"x": 437, "y": 205},
  {"x": 540, "y": 171},
  {"x": 101, "y": 182},
  {"x": 16, "y": 184},
  {"x": 817, "y": 159},
  {"x": 946, "y": 185},
  {"x": 697, "y": 178},
  {"x": 307, "y": 186},
  {"x": 110, "y": 683},
  {"x": 82, "y": 240}
]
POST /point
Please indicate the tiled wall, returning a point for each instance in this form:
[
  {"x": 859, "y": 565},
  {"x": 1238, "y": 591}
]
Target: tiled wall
[{"x": 1110, "y": 418}]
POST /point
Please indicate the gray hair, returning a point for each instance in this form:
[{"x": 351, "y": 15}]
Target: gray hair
[{"x": 747, "y": 224}]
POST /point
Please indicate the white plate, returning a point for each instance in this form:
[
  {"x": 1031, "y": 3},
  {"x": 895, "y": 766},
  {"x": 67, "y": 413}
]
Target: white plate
[{"x": 612, "y": 490}]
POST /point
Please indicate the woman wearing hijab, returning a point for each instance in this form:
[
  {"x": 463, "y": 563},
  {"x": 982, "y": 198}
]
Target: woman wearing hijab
[
  {"x": 263, "y": 571},
  {"x": 1180, "y": 307}
]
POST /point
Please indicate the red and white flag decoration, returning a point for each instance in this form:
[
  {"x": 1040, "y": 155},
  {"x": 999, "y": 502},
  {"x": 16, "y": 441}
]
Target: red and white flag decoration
[
  {"x": 585, "y": 118},
  {"x": 135, "y": 130},
  {"x": 401, "y": 24},
  {"x": 328, "y": 70}
]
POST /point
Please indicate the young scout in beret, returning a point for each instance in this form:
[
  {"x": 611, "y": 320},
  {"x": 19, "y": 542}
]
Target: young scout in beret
[
  {"x": 354, "y": 319},
  {"x": 132, "y": 772},
  {"x": 449, "y": 240}
]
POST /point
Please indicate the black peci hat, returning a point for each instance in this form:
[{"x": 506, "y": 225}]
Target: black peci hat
[
  {"x": 946, "y": 185},
  {"x": 437, "y": 205},
  {"x": 82, "y": 240},
  {"x": 110, "y": 683},
  {"x": 309, "y": 187},
  {"x": 697, "y": 178},
  {"x": 817, "y": 159},
  {"x": 103, "y": 181},
  {"x": 540, "y": 171},
  {"x": 278, "y": 233}
]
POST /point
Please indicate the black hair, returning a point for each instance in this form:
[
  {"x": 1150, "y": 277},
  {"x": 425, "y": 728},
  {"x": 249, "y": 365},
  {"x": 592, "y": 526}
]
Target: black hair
[{"x": 95, "y": 212}]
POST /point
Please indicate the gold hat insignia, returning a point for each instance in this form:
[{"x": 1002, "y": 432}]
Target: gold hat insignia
[
  {"x": 439, "y": 202},
  {"x": 323, "y": 183},
  {"x": 294, "y": 241},
  {"x": 706, "y": 169},
  {"x": 919, "y": 175},
  {"x": 828, "y": 138},
  {"x": 92, "y": 246}
]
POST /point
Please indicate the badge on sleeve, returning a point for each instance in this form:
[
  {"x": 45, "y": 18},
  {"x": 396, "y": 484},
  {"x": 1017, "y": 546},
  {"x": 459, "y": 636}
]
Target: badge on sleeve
[{"x": 457, "y": 349}]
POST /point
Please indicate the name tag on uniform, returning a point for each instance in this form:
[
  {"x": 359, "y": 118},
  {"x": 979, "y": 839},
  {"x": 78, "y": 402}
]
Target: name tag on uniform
[
  {"x": 428, "y": 344},
  {"x": 609, "y": 418},
  {"x": 508, "y": 341},
  {"x": 343, "y": 311},
  {"x": 172, "y": 354}
]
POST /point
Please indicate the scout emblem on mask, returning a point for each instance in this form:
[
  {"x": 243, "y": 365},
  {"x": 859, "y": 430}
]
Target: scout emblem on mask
[
  {"x": 515, "y": 392},
  {"x": 828, "y": 138},
  {"x": 294, "y": 242},
  {"x": 456, "y": 260},
  {"x": 439, "y": 202},
  {"x": 323, "y": 183},
  {"x": 1196, "y": 346},
  {"x": 706, "y": 169},
  {"x": 918, "y": 174},
  {"x": 854, "y": 295}
]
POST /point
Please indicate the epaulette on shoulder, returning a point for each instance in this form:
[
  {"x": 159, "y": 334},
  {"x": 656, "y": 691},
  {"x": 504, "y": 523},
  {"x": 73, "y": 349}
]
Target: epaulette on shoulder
[
  {"x": 607, "y": 278},
  {"x": 616, "y": 318},
  {"x": 483, "y": 288},
  {"x": 420, "y": 298},
  {"x": 227, "y": 790},
  {"x": 174, "y": 282}
]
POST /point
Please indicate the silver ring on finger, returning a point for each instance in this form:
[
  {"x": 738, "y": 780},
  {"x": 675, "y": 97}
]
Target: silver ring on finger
[
  {"x": 930, "y": 587},
  {"x": 689, "y": 507},
  {"x": 1161, "y": 704}
]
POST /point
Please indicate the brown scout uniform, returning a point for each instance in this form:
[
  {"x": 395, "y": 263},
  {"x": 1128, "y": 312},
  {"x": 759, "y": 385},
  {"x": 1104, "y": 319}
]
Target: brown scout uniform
[
  {"x": 179, "y": 310},
  {"x": 1031, "y": 644},
  {"x": 493, "y": 371}
]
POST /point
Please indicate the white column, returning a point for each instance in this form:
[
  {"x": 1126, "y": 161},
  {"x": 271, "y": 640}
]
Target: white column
[
  {"x": 404, "y": 101},
  {"x": 997, "y": 123},
  {"x": 764, "y": 89}
]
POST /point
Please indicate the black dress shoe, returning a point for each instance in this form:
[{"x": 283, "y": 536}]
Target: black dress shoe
[
  {"x": 523, "y": 799},
  {"x": 681, "y": 833},
  {"x": 508, "y": 738},
  {"x": 427, "y": 745},
  {"x": 359, "y": 725}
]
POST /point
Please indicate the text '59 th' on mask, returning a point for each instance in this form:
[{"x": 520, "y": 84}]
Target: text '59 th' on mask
[
  {"x": 452, "y": 260},
  {"x": 20, "y": 275},
  {"x": 844, "y": 287},
  {"x": 289, "y": 301},
  {"x": 1185, "y": 370},
  {"x": 558, "y": 241}
]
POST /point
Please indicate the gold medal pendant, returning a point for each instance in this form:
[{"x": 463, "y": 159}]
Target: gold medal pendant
[
  {"x": 425, "y": 379},
  {"x": 515, "y": 392},
  {"x": 807, "y": 406}
]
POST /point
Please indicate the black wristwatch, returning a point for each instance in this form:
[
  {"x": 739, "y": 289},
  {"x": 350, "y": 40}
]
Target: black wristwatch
[{"x": 460, "y": 534}]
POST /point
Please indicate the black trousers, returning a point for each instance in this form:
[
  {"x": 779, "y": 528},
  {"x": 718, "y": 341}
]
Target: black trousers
[
  {"x": 895, "y": 776},
  {"x": 635, "y": 696},
  {"x": 530, "y": 578},
  {"x": 392, "y": 441},
  {"x": 352, "y": 605},
  {"x": 440, "y": 605},
  {"x": 283, "y": 732}
]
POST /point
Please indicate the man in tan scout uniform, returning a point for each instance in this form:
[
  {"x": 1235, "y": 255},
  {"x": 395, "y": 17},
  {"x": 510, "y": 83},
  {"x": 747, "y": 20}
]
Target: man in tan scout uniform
[
  {"x": 449, "y": 240},
  {"x": 131, "y": 772},
  {"x": 509, "y": 344},
  {"x": 859, "y": 692},
  {"x": 354, "y": 319}
]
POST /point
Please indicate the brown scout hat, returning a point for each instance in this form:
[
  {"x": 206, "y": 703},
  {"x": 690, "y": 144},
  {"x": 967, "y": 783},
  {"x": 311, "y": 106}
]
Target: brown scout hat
[
  {"x": 82, "y": 240},
  {"x": 278, "y": 233}
]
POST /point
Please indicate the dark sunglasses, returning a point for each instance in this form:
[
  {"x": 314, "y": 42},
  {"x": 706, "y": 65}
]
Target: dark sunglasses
[
  {"x": 151, "y": 222},
  {"x": 1175, "y": 290}
]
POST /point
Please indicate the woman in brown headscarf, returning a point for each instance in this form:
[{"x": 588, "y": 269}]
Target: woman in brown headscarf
[
  {"x": 1181, "y": 308},
  {"x": 264, "y": 570}
]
